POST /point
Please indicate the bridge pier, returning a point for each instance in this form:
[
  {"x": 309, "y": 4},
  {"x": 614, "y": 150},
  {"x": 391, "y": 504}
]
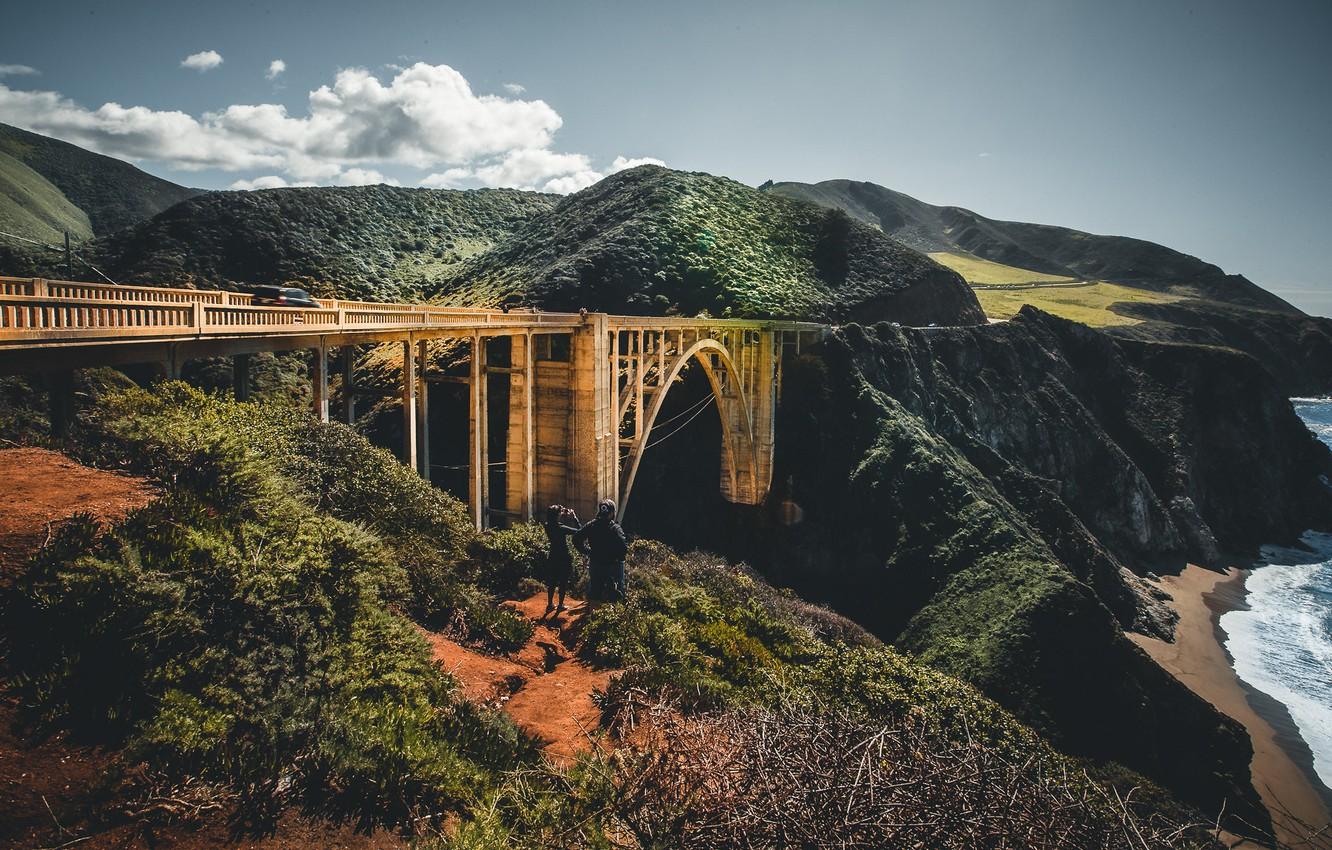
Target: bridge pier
[
  {"x": 478, "y": 435},
  {"x": 60, "y": 401},
  {"x": 319, "y": 382},
  {"x": 408, "y": 405},
  {"x": 520, "y": 445},
  {"x": 423, "y": 409},
  {"x": 348, "y": 356},
  {"x": 240, "y": 376}
]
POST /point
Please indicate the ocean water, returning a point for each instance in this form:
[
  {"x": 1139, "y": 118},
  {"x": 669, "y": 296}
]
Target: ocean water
[{"x": 1282, "y": 645}]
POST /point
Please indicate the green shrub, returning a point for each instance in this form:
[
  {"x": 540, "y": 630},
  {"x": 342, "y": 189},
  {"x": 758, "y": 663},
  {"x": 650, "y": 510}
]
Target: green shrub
[{"x": 236, "y": 629}]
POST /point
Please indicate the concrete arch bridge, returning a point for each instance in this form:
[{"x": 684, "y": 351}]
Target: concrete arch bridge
[{"x": 584, "y": 389}]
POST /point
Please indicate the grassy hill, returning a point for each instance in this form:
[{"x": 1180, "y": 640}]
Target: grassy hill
[
  {"x": 1045, "y": 249},
  {"x": 976, "y": 270},
  {"x": 652, "y": 240},
  {"x": 112, "y": 193},
  {"x": 373, "y": 242},
  {"x": 32, "y": 207}
]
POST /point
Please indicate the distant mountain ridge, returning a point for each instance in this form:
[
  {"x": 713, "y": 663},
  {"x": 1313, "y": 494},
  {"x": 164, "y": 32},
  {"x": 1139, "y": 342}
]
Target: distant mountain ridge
[
  {"x": 370, "y": 242},
  {"x": 112, "y": 193},
  {"x": 1040, "y": 247},
  {"x": 652, "y": 240}
]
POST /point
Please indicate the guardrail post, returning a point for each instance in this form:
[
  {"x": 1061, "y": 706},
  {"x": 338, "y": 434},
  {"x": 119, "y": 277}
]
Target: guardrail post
[
  {"x": 39, "y": 289},
  {"x": 197, "y": 316}
]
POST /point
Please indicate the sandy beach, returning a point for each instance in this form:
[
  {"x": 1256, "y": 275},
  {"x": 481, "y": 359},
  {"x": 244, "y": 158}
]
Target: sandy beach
[{"x": 1282, "y": 767}]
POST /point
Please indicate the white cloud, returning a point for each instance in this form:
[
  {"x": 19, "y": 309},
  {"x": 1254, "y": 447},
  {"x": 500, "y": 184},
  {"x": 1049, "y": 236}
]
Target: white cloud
[
  {"x": 17, "y": 71},
  {"x": 426, "y": 117},
  {"x": 984, "y": 154},
  {"x": 276, "y": 67},
  {"x": 269, "y": 181},
  {"x": 204, "y": 60},
  {"x": 534, "y": 169},
  {"x": 621, "y": 163},
  {"x": 515, "y": 88},
  {"x": 362, "y": 177}
]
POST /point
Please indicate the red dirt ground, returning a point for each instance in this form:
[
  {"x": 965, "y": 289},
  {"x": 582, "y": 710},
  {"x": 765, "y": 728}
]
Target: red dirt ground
[
  {"x": 39, "y": 488},
  {"x": 544, "y": 687}
]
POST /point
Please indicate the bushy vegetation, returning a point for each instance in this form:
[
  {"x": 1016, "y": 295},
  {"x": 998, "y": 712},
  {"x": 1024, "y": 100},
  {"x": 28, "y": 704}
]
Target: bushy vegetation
[
  {"x": 728, "y": 679},
  {"x": 377, "y": 243},
  {"x": 174, "y": 432},
  {"x": 242, "y": 627}
]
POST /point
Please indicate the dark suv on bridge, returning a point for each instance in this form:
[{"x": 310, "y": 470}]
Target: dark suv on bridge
[{"x": 282, "y": 296}]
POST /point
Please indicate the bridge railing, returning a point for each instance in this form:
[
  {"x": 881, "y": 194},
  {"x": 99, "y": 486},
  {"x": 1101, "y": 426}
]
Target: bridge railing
[
  {"x": 35, "y": 309},
  {"x": 27, "y": 318}
]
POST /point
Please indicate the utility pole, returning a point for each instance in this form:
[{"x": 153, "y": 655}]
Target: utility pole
[{"x": 69, "y": 261}]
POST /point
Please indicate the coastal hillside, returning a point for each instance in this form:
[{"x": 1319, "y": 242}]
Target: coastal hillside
[
  {"x": 299, "y": 629},
  {"x": 32, "y": 207},
  {"x": 111, "y": 193},
  {"x": 378, "y": 243},
  {"x": 996, "y": 499},
  {"x": 1041, "y": 248},
  {"x": 655, "y": 241}
]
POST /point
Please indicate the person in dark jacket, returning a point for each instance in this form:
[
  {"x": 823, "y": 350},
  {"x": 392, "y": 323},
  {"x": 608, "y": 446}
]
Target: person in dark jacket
[
  {"x": 603, "y": 542},
  {"x": 561, "y": 523}
]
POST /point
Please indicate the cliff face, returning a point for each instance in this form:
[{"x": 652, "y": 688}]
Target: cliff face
[
  {"x": 1295, "y": 350},
  {"x": 1007, "y": 487}
]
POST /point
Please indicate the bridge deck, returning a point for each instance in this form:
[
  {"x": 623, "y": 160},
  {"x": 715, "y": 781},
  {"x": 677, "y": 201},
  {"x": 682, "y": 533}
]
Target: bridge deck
[{"x": 578, "y": 423}]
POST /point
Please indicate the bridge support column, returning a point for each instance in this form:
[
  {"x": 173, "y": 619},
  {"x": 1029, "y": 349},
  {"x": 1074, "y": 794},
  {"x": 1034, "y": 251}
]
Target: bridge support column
[
  {"x": 240, "y": 376},
  {"x": 766, "y": 388},
  {"x": 478, "y": 431},
  {"x": 408, "y": 405},
  {"x": 520, "y": 447},
  {"x": 348, "y": 357},
  {"x": 319, "y": 382},
  {"x": 593, "y": 437},
  {"x": 60, "y": 397},
  {"x": 423, "y": 411}
]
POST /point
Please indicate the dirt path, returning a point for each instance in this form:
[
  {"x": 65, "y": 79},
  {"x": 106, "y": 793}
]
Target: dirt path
[{"x": 544, "y": 687}]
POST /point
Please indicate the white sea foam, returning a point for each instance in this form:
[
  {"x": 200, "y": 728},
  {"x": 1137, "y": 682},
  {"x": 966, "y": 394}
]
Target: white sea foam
[{"x": 1282, "y": 645}]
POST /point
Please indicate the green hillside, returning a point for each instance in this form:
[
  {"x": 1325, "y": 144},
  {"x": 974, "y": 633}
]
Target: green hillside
[
  {"x": 30, "y": 206},
  {"x": 113, "y": 193},
  {"x": 1040, "y": 247},
  {"x": 374, "y": 242},
  {"x": 652, "y": 240}
]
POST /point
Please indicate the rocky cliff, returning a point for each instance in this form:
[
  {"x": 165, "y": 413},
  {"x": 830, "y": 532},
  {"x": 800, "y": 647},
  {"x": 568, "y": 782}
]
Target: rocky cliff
[{"x": 994, "y": 499}]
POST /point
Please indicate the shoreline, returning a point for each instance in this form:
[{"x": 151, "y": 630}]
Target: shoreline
[{"x": 1282, "y": 769}]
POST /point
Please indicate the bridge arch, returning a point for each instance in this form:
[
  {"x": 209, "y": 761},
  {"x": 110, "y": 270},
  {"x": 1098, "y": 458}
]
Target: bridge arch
[{"x": 740, "y": 473}]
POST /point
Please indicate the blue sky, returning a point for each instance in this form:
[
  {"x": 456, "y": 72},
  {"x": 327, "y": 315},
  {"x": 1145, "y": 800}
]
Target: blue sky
[{"x": 1206, "y": 126}]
